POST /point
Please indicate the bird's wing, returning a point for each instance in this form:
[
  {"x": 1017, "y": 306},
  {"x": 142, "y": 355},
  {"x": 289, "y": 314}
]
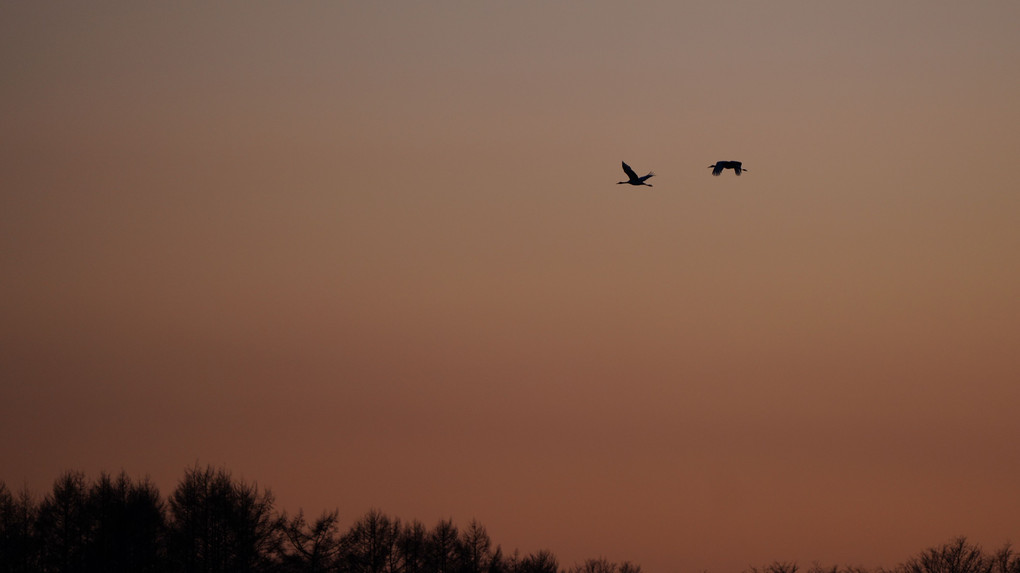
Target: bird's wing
[
  {"x": 718, "y": 167},
  {"x": 650, "y": 174},
  {"x": 630, "y": 172}
]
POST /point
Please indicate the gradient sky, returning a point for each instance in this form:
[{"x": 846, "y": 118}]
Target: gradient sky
[{"x": 372, "y": 254}]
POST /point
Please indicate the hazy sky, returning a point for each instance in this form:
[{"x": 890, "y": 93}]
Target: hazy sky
[{"x": 373, "y": 254}]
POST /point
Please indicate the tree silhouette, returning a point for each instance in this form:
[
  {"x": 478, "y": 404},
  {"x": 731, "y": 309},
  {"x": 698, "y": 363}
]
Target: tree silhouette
[
  {"x": 475, "y": 549},
  {"x": 818, "y": 568},
  {"x": 18, "y": 543},
  {"x": 126, "y": 522},
  {"x": 602, "y": 565},
  {"x": 219, "y": 525},
  {"x": 212, "y": 523},
  {"x": 778, "y": 567},
  {"x": 957, "y": 556},
  {"x": 412, "y": 546},
  {"x": 443, "y": 548},
  {"x": 146, "y": 523},
  {"x": 370, "y": 544},
  {"x": 540, "y": 562},
  {"x": 628, "y": 567},
  {"x": 1006, "y": 560},
  {"x": 310, "y": 548},
  {"x": 63, "y": 525}
]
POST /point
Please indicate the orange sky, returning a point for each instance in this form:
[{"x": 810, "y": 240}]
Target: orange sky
[{"x": 374, "y": 255}]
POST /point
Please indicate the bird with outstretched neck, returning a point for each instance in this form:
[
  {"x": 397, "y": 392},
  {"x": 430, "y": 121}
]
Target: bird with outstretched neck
[{"x": 633, "y": 177}]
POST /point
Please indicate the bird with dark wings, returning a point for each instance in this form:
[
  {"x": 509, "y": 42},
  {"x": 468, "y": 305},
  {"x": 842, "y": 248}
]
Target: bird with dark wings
[
  {"x": 633, "y": 177},
  {"x": 718, "y": 166}
]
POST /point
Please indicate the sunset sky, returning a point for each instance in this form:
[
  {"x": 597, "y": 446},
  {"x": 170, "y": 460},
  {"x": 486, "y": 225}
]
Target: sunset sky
[{"x": 373, "y": 255}]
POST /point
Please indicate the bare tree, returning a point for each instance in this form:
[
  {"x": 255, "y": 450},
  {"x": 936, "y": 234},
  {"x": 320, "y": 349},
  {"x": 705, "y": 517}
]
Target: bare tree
[
  {"x": 145, "y": 516},
  {"x": 220, "y": 525},
  {"x": 212, "y": 523},
  {"x": 475, "y": 549},
  {"x": 498, "y": 563},
  {"x": 603, "y": 565},
  {"x": 310, "y": 548},
  {"x": 127, "y": 523},
  {"x": 63, "y": 524},
  {"x": 628, "y": 567},
  {"x": 541, "y": 562},
  {"x": 255, "y": 527},
  {"x": 599, "y": 565},
  {"x": 818, "y": 568},
  {"x": 18, "y": 544},
  {"x": 957, "y": 556},
  {"x": 370, "y": 543},
  {"x": 443, "y": 547},
  {"x": 777, "y": 567},
  {"x": 1006, "y": 560},
  {"x": 412, "y": 547}
]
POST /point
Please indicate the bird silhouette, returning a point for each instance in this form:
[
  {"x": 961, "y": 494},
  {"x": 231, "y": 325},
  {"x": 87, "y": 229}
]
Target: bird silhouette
[
  {"x": 718, "y": 166},
  {"x": 633, "y": 177}
]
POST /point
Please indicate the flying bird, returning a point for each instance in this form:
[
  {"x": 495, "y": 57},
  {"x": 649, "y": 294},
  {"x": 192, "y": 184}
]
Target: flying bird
[
  {"x": 634, "y": 179},
  {"x": 718, "y": 166}
]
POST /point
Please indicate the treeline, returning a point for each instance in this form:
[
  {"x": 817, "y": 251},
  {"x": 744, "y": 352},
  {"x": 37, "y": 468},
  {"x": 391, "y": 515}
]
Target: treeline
[
  {"x": 213, "y": 523},
  {"x": 957, "y": 556}
]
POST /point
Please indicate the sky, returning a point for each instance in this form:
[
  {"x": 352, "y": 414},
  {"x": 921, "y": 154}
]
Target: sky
[{"x": 373, "y": 255}]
